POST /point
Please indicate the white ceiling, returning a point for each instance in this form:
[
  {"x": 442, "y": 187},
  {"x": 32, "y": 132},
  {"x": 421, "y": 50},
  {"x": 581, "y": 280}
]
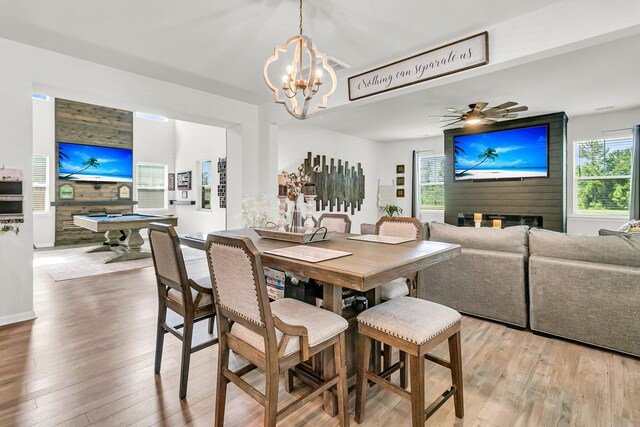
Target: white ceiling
[
  {"x": 221, "y": 46},
  {"x": 577, "y": 83}
]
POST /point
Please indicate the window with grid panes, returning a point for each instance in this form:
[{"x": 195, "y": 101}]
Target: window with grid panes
[{"x": 602, "y": 171}]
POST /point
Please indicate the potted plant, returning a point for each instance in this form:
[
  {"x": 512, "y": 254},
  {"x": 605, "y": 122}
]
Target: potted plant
[{"x": 392, "y": 210}]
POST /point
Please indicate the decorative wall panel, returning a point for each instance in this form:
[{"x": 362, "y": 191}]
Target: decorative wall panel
[{"x": 338, "y": 186}]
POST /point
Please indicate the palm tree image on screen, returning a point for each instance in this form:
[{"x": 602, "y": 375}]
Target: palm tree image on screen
[{"x": 488, "y": 154}]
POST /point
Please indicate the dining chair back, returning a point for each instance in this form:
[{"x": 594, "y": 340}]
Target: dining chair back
[
  {"x": 400, "y": 227},
  {"x": 340, "y": 223}
]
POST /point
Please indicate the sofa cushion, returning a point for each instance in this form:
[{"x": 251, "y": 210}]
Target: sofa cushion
[
  {"x": 618, "y": 250},
  {"x": 510, "y": 239}
]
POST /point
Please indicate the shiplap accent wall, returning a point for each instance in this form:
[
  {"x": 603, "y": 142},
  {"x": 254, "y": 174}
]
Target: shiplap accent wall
[
  {"x": 531, "y": 196},
  {"x": 89, "y": 124}
]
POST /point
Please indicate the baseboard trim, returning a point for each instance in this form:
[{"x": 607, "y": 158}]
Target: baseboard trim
[{"x": 18, "y": 317}]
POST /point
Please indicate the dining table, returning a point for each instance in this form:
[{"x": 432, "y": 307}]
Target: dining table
[{"x": 369, "y": 265}]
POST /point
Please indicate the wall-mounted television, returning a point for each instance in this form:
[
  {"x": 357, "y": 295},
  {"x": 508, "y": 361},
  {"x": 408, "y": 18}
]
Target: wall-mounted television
[
  {"x": 80, "y": 162},
  {"x": 503, "y": 154}
]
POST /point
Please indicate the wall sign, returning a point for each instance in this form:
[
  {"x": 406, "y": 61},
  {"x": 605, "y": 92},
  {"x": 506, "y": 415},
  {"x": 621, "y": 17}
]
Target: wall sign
[
  {"x": 451, "y": 58},
  {"x": 184, "y": 181},
  {"x": 66, "y": 192},
  {"x": 124, "y": 192}
]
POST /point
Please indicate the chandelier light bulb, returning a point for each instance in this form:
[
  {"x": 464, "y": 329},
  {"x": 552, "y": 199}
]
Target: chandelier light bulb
[
  {"x": 289, "y": 69},
  {"x": 285, "y": 78},
  {"x": 319, "y": 73}
]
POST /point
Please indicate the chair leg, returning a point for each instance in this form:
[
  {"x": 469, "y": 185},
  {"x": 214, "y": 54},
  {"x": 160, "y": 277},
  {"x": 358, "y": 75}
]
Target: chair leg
[
  {"x": 162, "y": 317},
  {"x": 417, "y": 391},
  {"x": 187, "y": 334},
  {"x": 288, "y": 381},
  {"x": 404, "y": 372},
  {"x": 386, "y": 356},
  {"x": 222, "y": 381},
  {"x": 455, "y": 356},
  {"x": 362, "y": 385},
  {"x": 271, "y": 396},
  {"x": 211, "y": 319},
  {"x": 340, "y": 359}
]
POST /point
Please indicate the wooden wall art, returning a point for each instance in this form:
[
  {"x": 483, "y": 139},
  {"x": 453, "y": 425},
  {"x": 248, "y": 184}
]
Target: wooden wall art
[{"x": 337, "y": 185}]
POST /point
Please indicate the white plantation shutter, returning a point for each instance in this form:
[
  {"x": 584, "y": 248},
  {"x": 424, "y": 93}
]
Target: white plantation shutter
[
  {"x": 151, "y": 186},
  {"x": 40, "y": 180}
]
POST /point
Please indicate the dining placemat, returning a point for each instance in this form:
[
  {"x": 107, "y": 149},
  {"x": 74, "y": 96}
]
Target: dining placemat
[
  {"x": 389, "y": 240},
  {"x": 308, "y": 253}
]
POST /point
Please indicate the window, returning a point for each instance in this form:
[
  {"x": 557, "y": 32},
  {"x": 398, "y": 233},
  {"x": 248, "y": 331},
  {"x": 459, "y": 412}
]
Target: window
[
  {"x": 431, "y": 182},
  {"x": 40, "y": 180},
  {"x": 151, "y": 186},
  {"x": 205, "y": 184},
  {"x": 602, "y": 174}
]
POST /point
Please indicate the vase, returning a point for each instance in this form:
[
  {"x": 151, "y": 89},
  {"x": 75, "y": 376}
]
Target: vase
[{"x": 297, "y": 220}]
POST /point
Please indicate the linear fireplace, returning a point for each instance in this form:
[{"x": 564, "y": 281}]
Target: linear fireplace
[{"x": 533, "y": 221}]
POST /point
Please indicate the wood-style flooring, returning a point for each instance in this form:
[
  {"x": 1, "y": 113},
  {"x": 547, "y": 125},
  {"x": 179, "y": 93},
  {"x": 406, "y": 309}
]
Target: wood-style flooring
[{"x": 88, "y": 359}]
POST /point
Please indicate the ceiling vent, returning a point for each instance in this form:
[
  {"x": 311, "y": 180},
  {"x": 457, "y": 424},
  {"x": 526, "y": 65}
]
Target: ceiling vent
[{"x": 334, "y": 63}]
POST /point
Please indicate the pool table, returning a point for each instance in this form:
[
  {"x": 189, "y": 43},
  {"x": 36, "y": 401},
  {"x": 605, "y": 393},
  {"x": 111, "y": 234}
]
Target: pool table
[{"x": 122, "y": 233}]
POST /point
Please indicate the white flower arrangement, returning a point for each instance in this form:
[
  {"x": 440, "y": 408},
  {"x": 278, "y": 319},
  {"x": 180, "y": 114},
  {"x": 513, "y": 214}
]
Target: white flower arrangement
[{"x": 257, "y": 211}]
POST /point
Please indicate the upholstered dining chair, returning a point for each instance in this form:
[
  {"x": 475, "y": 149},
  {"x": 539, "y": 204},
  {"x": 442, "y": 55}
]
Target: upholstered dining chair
[
  {"x": 340, "y": 223},
  {"x": 273, "y": 337},
  {"x": 191, "y": 299},
  {"x": 398, "y": 227}
]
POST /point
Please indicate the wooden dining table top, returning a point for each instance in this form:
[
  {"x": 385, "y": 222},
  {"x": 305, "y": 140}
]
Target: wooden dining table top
[{"x": 371, "y": 265}]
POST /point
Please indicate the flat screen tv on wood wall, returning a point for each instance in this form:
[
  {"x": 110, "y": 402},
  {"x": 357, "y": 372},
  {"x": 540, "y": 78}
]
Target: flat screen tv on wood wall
[
  {"x": 91, "y": 163},
  {"x": 505, "y": 154}
]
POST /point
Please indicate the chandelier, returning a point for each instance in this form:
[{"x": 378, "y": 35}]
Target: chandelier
[{"x": 301, "y": 89}]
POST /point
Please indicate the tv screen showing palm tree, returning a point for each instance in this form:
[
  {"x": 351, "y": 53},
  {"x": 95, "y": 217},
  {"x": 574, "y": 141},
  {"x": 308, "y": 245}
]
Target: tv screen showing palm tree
[
  {"x": 505, "y": 154},
  {"x": 79, "y": 162}
]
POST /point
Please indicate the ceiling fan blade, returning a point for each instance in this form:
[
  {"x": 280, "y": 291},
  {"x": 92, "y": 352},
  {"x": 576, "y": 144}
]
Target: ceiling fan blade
[
  {"x": 452, "y": 123},
  {"x": 443, "y": 120},
  {"x": 454, "y": 110},
  {"x": 510, "y": 116},
  {"x": 518, "y": 109},
  {"x": 505, "y": 105},
  {"x": 488, "y": 121}
]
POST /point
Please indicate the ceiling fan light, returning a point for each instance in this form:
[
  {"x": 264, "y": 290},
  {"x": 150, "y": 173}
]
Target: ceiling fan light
[{"x": 473, "y": 121}]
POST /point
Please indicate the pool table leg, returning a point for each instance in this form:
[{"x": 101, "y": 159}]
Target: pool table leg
[
  {"x": 111, "y": 239},
  {"x": 131, "y": 248}
]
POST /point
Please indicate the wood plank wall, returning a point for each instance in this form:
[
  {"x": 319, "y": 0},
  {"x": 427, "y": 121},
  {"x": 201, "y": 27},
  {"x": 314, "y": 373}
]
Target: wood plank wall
[
  {"x": 532, "y": 196},
  {"x": 88, "y": 124}
]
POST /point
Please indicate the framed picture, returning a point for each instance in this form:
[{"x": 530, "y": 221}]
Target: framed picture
[
  {"x": 66, "y": 192},
  {"x": 400, "y": 181},
  {"x": 184, "y": 181},
  {"x": 124, "y": 192},
  {"x": 399, "y": 168},
  {"x": 172, "y": 182},
  {"x": 400, "y": 192}
]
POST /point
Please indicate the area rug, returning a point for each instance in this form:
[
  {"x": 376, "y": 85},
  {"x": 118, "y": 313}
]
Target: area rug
[{"x": 73, "y": 263}]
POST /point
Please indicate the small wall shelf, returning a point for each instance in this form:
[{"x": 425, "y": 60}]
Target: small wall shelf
[{"x": 182, "y": 202}]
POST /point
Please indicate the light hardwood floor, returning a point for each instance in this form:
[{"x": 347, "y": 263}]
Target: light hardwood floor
[{"x": 88, "y": 359}]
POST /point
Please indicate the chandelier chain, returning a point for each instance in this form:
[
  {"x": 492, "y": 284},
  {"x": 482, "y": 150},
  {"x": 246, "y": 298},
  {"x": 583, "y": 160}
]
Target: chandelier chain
[{"x": 300, "y": 17}]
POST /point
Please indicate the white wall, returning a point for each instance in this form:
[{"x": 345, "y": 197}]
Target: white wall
[
  {"x": 401, "y": 153},
  {"x": 196, "y": 143},
  {"x": 296, "y": 140},
  {"x": 27, "y": 69},
  {"x": 584, "y": 128},
  {"x": 44, "y": 224}
]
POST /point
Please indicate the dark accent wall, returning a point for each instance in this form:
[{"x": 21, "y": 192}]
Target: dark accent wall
[
  {"x": 530, "y": 196},
  {"x": 91, "y": 125}
]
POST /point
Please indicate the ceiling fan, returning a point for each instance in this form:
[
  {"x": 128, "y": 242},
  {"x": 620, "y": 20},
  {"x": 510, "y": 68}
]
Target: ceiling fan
[{"x": 478, "y": 115}]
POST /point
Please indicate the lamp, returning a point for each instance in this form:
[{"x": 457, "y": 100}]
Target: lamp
[{"x": 302, "y": 77}]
